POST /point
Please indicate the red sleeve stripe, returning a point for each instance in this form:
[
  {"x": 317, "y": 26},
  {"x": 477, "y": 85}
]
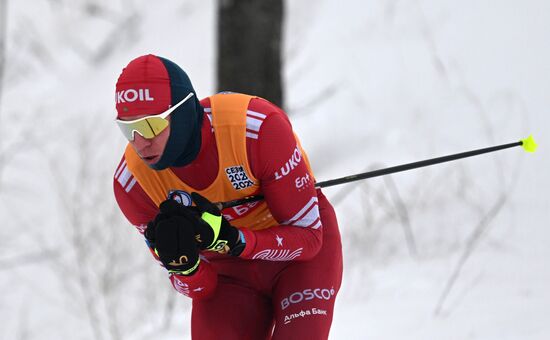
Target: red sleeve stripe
[
  {"x": 131, "y": 185},
  {"x": 251, "y": 135},
  {"x": 317, "y": 225},
  {"x": 308, "y": 216},
  {"x": 124, "y": 177},
  {"x": 256, "y": 114},
  {"x": 254, "y": 122},
  {"x": 120, "y": 168}
]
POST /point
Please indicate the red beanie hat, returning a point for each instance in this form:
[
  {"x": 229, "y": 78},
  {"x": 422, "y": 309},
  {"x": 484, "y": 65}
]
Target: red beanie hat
[{"x": 143, "y": 88}]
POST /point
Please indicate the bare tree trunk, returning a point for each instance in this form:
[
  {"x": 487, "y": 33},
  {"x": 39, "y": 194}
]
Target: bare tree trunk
[{"x": 249, "y": 47}]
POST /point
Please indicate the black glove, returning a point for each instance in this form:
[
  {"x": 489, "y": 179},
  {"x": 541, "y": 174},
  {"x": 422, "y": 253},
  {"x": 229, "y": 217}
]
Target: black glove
[
  {"x": 150, "y": 232},
  {"x": 212, "y": 231},
  {"x": 174, "y": 243},
  {"x": 220, "y": 235}
]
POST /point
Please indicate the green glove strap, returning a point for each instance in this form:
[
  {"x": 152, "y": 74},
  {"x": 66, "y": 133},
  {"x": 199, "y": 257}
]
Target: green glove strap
[
  {"x": 186, "y": 272},
  {"x": 181, "y": 272},
  {"x": 215, "y": 222}
]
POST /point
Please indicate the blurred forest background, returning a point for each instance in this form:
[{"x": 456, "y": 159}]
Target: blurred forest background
[{"x": 454, "y": 251}]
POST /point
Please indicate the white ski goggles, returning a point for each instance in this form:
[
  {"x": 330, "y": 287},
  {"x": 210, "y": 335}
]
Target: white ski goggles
[{"x": 148, "y": 126}]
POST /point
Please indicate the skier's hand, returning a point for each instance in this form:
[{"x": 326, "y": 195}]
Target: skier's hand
[
  {"x": 174, "y": 243},
  {"x": 220, "y": 236},
  {"x": 212, "y": 231},
  {"x": 192, "y": 215},
  {"x": 150, "y": 232}
]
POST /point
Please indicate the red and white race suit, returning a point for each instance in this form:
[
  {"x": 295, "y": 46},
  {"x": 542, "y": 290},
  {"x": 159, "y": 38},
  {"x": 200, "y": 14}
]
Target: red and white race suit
[{"x": 289, "y": 273}]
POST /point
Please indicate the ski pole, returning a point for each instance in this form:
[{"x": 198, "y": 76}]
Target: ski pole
[{"x": 528, "y": 144}]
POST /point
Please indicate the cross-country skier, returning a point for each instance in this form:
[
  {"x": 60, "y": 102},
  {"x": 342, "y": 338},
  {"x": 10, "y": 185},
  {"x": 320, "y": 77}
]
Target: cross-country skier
[{"x": 262, "y": 270}]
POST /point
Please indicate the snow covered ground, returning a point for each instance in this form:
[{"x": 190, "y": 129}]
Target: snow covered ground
[{"x": 454, "y": 251}]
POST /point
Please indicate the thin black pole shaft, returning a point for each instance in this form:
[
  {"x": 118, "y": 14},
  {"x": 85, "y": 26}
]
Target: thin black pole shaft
[
  {"x": 414, "y": 165},
  {"x": 382, "y": 172}
]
